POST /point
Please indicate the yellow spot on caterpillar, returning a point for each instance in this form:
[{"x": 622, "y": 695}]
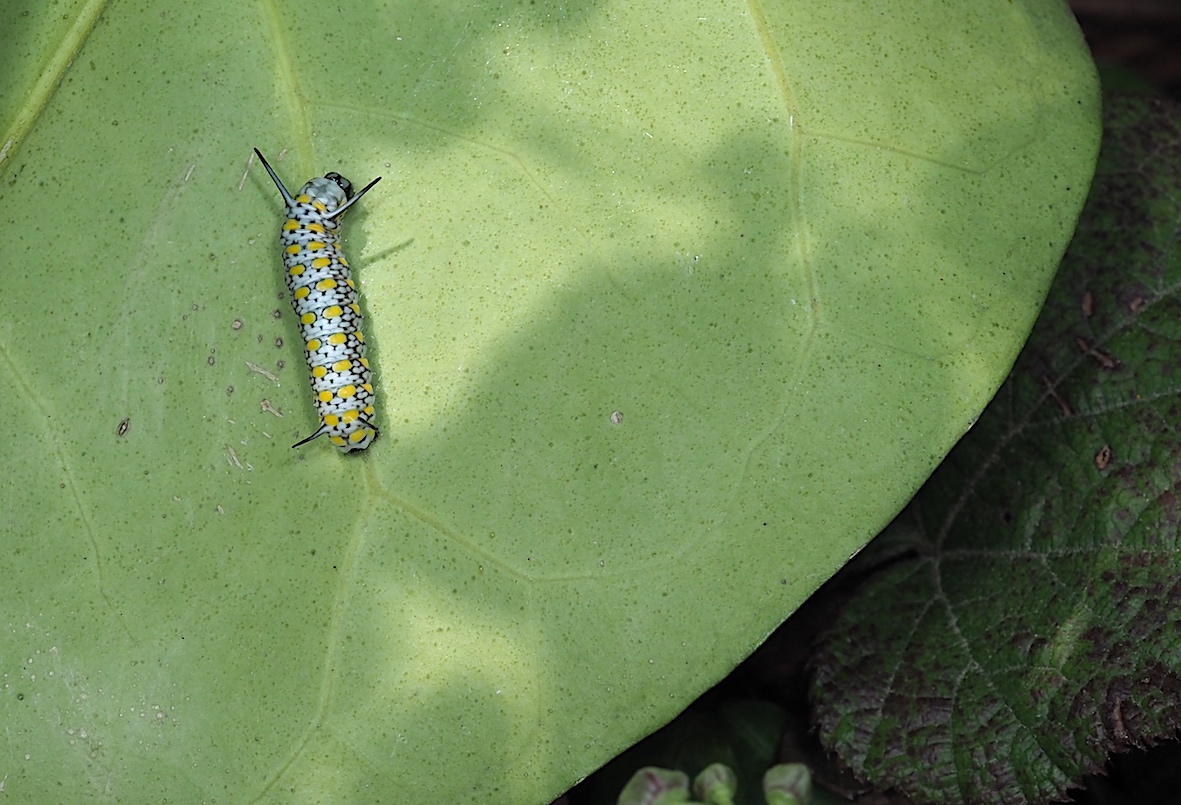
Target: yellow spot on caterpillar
[
  {"x": 326, "y": 284},
  {"x": 290, "y": 224},
  {"x": 317, "y": 228},
  {"x": 303, "y": 198},
  {"x": 321, "y": 262},
  {"x": 351, "y": 416},
  {"x": 302, "y": 293},
  {"x": 365, "y": 362},
  {"x": 296, "y": 271},
  {"x": 358, "y": 435},
  {"x": 331, "y": 420},
  {"x": 336, "y": 440},
  {"x": 347, "y": 392},
  {"x": 319, "y": 205},
  {"x": 333, "y": 312},
  {"x": 316, "y": 245},
  {"x": 367, "y": 387},
  {"x": 319, "y": 371},
  {"x": 324, "y": 396},
  {"x": 355, "y": 308},
  {"x": 342, "y": 365},
  {"x": 336, "y": 339},
  {"x": 360, "y": 336},
  {"x": 293, "y": 248},
  {"x": 369, "y": 410},
  {"x": 307, "y": 318},
  {"x": 344, "y": 262},
  {"x": 350, "y": 283},
  {"x": 313, "y": 345}
]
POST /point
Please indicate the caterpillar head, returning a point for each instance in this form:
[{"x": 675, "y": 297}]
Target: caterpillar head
[
  {"x": 344, "y": 183},
  {"x": 332, "y": 190}
]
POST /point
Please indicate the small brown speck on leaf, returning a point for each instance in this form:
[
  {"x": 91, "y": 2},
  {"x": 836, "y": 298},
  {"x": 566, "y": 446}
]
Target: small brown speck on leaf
[
  {"x": 1100, "y": 356},
  {"x": 1103, "y": 458},
  {"x": 1053, "y": 392}
]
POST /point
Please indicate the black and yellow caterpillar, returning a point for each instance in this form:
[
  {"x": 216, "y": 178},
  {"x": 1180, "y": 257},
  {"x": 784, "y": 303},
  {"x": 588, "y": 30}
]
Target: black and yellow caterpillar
[{"x": 325, "y": 299}]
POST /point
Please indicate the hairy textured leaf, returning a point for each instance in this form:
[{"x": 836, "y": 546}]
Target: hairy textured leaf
[
  {"x": 1037, "y": 626},
  {"x": 671, "y": 307}
]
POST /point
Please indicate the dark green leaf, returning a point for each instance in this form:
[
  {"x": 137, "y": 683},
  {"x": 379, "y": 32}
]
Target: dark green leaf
[{"x": 1036, "y": 626}]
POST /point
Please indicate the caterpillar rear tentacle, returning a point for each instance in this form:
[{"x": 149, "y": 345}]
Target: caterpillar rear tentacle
[{"x": 325, "y": 299}]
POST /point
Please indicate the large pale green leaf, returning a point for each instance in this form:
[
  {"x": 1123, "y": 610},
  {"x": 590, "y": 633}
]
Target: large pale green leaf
[{"x": 671, "y": 306}]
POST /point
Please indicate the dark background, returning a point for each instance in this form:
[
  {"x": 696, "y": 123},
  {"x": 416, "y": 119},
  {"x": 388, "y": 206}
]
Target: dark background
[{"x": 1141, "y": 36}]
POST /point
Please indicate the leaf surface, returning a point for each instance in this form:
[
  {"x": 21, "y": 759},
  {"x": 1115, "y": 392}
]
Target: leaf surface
[{"x": 670, "y": 309}]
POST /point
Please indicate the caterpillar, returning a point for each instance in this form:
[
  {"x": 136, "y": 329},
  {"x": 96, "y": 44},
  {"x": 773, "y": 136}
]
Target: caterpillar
[{"x": 325, "y": 300}]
